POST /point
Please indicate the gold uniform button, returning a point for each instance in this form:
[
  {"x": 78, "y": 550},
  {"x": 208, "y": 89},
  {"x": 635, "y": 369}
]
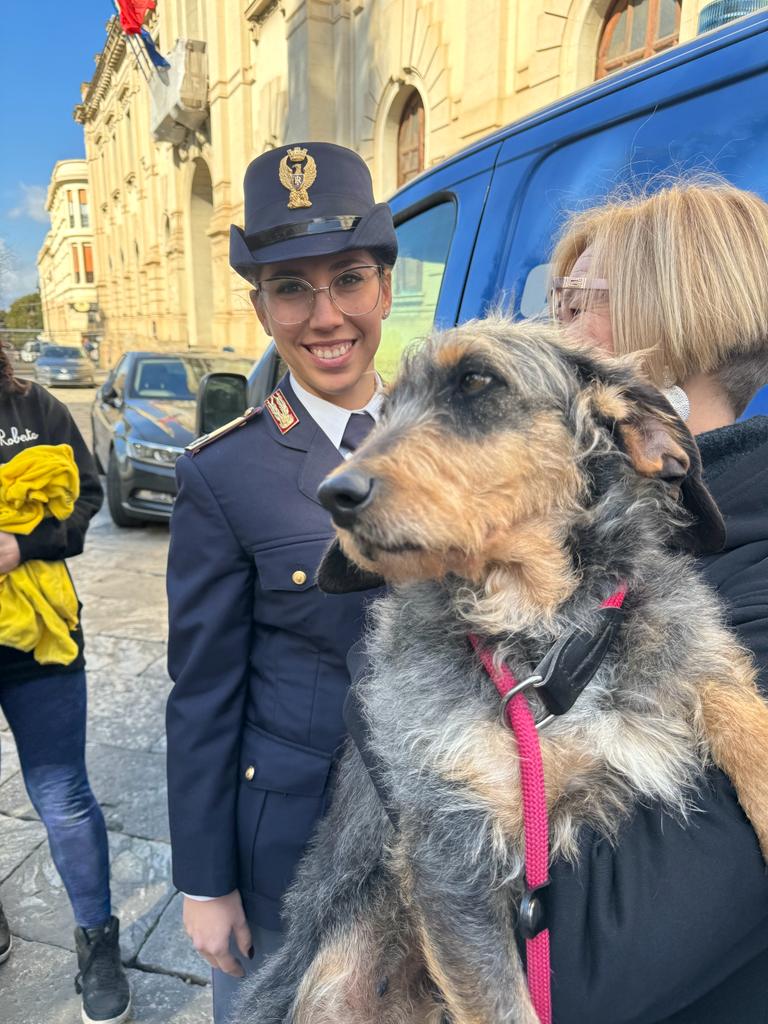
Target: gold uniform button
[
  {"x": 250, "y": 771},
  {"x": 299, "y": 577}
]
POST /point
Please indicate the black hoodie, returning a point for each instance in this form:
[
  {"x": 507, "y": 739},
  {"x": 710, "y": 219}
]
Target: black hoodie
[
  {"x": 26, "y": 420},
  {"x": 670, "y": 925}
]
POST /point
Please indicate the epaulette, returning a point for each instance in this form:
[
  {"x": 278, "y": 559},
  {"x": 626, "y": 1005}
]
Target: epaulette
[{"x": 205, "y": 439}]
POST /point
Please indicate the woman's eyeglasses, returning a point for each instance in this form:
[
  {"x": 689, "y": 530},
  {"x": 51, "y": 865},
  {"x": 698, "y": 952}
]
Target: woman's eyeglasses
[
  {"x": 290, "y": 300},
  {"x": 571, "y": 296}
]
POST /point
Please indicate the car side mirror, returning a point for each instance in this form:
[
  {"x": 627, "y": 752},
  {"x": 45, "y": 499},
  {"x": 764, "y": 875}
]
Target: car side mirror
[
  {"x": 108, "y": 395},
  {"x": 221, "y": 398}
]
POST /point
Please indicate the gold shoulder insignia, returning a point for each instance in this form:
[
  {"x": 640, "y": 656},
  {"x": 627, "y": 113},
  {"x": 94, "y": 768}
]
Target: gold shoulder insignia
[
  {"x": 297, "y": 179},
  {"x": 205, "y": 439},
  {"x": 281, "y": 412}
]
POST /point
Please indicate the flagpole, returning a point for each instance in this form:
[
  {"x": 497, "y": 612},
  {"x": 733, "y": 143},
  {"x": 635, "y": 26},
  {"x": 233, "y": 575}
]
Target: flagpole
[{"x": 136, "y": 51}]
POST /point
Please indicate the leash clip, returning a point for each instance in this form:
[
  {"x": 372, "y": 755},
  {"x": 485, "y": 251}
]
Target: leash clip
[{"x": 532, "y": 681}]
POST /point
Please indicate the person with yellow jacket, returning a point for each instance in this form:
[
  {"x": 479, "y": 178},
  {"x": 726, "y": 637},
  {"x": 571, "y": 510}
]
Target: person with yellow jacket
[{"x": 49, "y": 492}]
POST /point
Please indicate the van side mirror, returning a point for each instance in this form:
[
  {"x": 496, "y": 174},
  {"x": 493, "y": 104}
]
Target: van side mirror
[{"x": 220, "y": 398}]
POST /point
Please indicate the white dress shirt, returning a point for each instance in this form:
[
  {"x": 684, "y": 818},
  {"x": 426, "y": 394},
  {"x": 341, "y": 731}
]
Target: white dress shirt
[{"x": 332, "y": 419}]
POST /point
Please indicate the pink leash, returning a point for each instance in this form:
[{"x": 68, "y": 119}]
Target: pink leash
[{"x": 535, "y": 817}]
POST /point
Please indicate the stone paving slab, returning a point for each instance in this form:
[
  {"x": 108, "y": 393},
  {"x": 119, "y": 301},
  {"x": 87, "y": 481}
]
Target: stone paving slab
[
  {"x": 9, "y": 759},
  {"x": 38, "y": 910},
  {"x": 126, "y": 656},
  {"x": 126, "y": 711},
  {"x": 115, "y": 616},
  {"x": 169, "y": 949},
  {"x": 129, "y": 784},
  {"x": 36, "y": 986},
  {"x": 18, "y": 839}
]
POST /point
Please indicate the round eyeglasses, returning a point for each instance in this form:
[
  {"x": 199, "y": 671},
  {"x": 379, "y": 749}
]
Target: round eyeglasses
[
  {"x": 290, "y": 300},
  {"x": 572, "y": 296}
]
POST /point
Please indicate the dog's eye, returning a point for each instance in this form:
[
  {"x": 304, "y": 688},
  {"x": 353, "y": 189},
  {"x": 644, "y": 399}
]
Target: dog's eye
[{"x": 475, "y": 383}]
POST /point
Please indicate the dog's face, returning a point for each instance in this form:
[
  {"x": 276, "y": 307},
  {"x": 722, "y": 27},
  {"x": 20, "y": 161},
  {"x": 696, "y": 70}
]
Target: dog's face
[{"x": 478, "y": 464}]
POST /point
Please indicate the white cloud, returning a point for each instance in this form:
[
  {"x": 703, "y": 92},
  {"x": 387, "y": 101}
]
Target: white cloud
[
  {"x": 31, "y": 204},
  {"x": 17, "y": 277}
]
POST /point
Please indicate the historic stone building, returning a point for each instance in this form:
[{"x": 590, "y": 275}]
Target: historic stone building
[
  {"x": 404, "y": 82},
  {"x": 68, "y": 286}
]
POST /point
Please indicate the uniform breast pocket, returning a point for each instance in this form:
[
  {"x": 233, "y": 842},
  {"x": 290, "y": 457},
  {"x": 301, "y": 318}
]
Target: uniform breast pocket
[
  {"x": 286, "y": 591},
  {"x": 282, "y": 796}
]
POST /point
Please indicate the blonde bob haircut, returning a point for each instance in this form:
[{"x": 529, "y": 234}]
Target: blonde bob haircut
[{"x": 687, "y": 272}]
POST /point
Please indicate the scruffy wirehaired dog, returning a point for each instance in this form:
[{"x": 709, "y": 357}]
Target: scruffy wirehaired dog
[{"x": 513, "y": 481}]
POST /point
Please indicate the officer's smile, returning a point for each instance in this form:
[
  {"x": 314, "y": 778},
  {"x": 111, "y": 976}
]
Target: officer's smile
[{"x": 330, "y": 353}]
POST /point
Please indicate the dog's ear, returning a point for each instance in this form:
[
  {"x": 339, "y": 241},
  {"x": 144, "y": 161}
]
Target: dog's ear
[
  {"x": 338, "y": 574},
  {"x": 660, "y": 445}
]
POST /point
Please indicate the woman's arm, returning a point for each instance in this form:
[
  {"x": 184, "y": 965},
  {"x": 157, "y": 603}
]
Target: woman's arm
[
  {"x": 54, "y": 539},
  {"x": 644, "y": 928},
  {"x": 210, "y": 584}
]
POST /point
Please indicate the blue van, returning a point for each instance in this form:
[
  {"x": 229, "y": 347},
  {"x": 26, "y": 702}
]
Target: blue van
[{"x": 477, "y": 230}]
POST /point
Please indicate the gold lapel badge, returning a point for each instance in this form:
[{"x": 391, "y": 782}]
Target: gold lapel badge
[
  {"x": 281, "y": 412},
  {"x": 296, "y": 179}
]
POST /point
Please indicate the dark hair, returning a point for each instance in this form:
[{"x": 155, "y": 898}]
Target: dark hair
[{"x": 9, "y": 382}]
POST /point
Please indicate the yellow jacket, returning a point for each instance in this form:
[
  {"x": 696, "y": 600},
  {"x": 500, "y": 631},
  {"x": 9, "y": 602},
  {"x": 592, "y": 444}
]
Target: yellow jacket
[{"x": 38, "y": 604}]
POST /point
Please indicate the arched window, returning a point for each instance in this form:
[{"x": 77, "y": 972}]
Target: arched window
[
  {"x": 410, "y": 140},
  {"x": 635, "y": 29}
]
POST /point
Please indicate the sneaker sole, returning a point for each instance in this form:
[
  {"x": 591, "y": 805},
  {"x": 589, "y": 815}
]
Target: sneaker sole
[
  {"x": 4, "y": 956},
  {"x": 107, "y": 1020}
]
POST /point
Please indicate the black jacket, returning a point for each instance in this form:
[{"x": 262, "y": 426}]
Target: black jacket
[
  {"x": 27, "y": 420},
  {"x": 671, "y": 924}
]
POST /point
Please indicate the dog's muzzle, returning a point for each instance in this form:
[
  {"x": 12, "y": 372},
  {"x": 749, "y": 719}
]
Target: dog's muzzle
[{"x": 346, "y": 495}]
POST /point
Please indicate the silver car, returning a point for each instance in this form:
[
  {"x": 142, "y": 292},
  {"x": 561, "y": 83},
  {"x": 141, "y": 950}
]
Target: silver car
[{"x": 62, "y": 365}]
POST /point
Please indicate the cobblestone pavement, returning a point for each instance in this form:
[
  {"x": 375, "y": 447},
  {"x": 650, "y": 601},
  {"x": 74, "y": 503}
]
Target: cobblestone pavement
[{"x": 120, "y": 580}]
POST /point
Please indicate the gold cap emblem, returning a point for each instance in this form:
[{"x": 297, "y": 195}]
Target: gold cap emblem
[{"x": 298, "y": 179}]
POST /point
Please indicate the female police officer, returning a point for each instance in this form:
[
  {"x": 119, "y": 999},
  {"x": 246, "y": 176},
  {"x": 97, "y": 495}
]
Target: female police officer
[{"x": 256, "y": 652}]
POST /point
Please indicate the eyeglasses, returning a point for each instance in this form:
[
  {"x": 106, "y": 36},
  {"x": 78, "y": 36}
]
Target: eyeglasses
[
  {"x": 290, "y": 300},
  {"x": 571, "y": 296}
]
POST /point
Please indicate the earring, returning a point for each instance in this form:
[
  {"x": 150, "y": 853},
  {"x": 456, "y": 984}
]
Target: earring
[
  {"x": 385, "y": 315},
  {"x": 676, "y": 397}
]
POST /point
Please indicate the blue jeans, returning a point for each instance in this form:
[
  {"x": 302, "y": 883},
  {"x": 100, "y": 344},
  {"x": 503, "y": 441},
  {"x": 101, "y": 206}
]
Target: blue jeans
[{"x": 47, "y": 718}]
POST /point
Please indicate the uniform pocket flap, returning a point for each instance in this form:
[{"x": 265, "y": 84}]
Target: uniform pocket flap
[
  {"x": 267, "y": 762},
  {"x": 291, "y": 566}
]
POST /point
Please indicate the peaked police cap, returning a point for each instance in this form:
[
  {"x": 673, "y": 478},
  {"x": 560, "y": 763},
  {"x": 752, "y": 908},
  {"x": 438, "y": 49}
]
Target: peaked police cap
[{"x": 309, "y": 199}]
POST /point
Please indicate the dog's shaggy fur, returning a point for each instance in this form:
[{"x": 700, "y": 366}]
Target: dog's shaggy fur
[{"x": 513, "y": 482}]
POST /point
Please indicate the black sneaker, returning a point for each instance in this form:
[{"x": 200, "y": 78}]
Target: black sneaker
[
  {"x": 5, "y": 937},
  {"x": 101, "y": 979}
]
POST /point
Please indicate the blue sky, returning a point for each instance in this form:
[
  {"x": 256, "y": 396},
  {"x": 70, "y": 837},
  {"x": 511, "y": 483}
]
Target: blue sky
[{"x": 46, "y": 51}]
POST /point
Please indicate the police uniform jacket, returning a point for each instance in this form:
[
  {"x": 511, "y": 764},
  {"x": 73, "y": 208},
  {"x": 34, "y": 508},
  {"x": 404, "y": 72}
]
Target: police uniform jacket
[{"x": 258, "y": 658}]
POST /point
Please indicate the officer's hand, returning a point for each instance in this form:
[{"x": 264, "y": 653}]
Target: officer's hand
[
  {"x": 10, "y": 556},
  {"x": 209, "y": 925}
]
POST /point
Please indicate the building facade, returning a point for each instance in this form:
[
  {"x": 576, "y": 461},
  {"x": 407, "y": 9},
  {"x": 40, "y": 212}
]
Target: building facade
[
  {"x": 66, "y": 266},
  {"x": 404, "y": 82}
]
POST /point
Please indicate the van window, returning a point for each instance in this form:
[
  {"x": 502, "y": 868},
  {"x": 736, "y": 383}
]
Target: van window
[{"x": 424, "y": 242}]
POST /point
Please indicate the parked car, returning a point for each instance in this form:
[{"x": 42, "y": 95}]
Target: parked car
[
  {"x": 477, "y": 230},
  {"x": 30, "y": 350},
  {"x": 64, "y": 365},
  {"x": 142, "y": 417}
]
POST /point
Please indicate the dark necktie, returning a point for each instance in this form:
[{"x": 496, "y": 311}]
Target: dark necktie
[{"x": 359, "y": 426}]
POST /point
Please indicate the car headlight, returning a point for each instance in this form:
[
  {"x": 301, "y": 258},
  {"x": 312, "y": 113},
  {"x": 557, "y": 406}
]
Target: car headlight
[{"x": 155, "y": 454}]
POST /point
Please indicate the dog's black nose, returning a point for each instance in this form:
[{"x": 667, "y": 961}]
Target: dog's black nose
[{"x": 346, "y": 495}]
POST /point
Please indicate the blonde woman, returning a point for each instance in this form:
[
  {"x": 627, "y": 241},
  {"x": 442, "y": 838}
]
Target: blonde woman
[{"x": 671, "y": 924}]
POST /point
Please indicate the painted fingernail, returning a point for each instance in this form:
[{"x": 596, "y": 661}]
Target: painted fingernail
[{"x": 251, "y": 953}]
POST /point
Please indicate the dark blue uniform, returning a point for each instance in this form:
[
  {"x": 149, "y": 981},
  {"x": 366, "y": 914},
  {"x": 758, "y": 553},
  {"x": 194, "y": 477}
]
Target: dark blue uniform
[{"x": 258, "y": 657}]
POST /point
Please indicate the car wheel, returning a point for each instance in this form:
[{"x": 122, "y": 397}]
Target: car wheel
[{"x": 120, "y": 517}]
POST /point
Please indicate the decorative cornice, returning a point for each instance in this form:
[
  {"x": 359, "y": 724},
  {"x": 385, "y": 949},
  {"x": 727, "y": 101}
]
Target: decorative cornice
[{"x": 107, "y": 63}]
